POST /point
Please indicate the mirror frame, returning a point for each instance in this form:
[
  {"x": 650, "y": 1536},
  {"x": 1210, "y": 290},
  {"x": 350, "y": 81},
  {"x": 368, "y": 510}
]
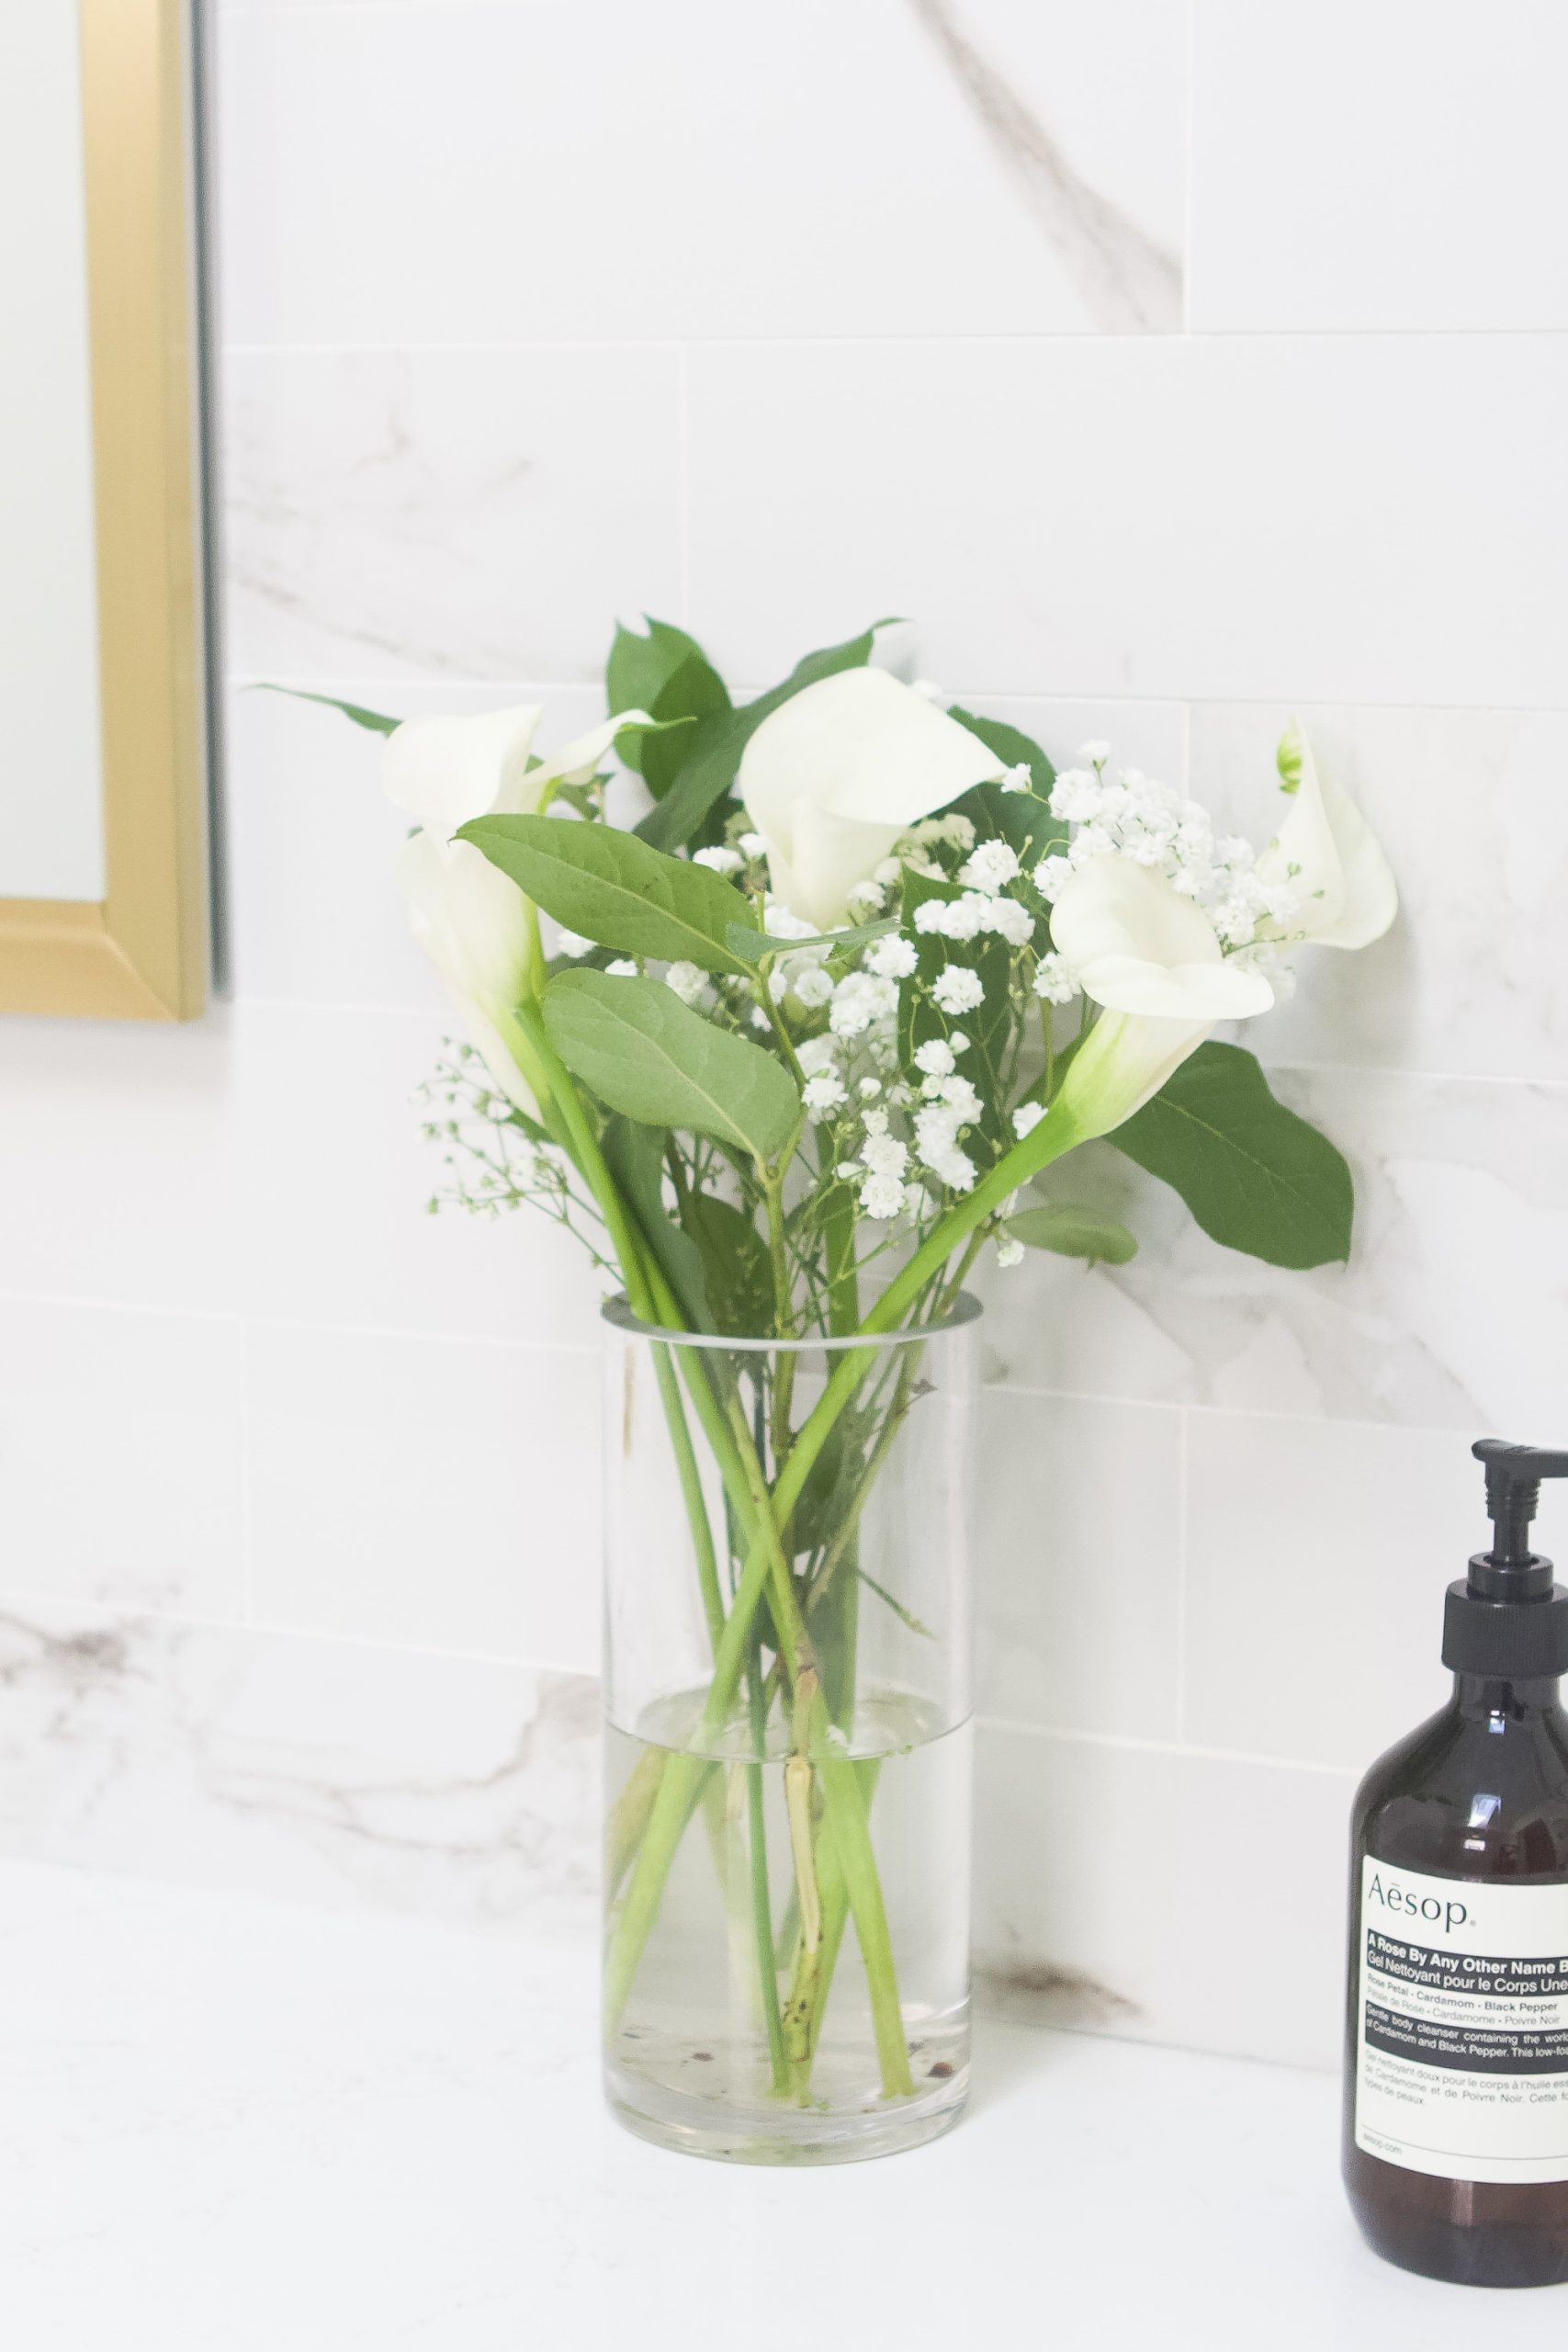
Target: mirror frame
[{"x": 141, "y": 952}]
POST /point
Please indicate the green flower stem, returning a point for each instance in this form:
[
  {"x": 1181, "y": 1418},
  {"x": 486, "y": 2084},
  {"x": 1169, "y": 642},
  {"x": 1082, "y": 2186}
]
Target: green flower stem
[
  {"x": 761, "y": 1909},
  {"x": 692, "y": 1493},
  {"x": 835, "y": 1916}
]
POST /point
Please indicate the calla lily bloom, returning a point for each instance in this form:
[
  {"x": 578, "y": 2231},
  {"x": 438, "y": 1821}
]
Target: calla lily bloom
[
  {"x": 836, "y": 774},
  {"x": 1137, "y": 945},
  {"x": 1154, "y": 961},
  {"x": 469, "y": 917},
  {"x": 1327, "y": 853}
]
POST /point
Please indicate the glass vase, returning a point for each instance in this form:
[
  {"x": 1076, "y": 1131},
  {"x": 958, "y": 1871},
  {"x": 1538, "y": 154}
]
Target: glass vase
[{"x": 786, "y": 1705}]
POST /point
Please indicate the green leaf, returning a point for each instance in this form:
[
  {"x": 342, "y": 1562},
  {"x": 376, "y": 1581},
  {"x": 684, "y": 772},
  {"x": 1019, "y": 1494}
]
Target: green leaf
[
  {"x": 635, "y": 1157},
  {"x": 713, "y": 747},
  {"x": 1073, "y": 1233},
  {"x": 649, "y": 1057},
  {"x": 751, "y": 944},
  {"x": 1256, "y": 1177},
  {"x": 667, "y": 675},
  {"x": 737, "y": 1271},
  {"x": 376, "y": 720},
  {"x": 611, "y": 888}
]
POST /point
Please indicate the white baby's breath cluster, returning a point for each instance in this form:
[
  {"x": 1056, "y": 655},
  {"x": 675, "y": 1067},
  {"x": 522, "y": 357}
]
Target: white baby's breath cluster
[{"x": 1135, "y": 816}]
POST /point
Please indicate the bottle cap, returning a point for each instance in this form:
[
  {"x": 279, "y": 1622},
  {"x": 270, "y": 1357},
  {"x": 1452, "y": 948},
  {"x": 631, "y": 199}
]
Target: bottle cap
[{"x": 1507, "y": 1619}]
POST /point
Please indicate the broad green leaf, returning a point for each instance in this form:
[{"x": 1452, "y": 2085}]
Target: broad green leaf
[
  {"x": 1073, "y": 1233},
  {"x": 649, "y": 1057},
  {"x": 1256, "y": 1177},
  {"x": 611, "y": 888},
  {"x": 376, "y": 720},
  {"x": 737, "y": 1271},
  {"x": 635, "y": 1157},
  {"x": 713, "y": 747},
  {"x": 667, "y": 675},
  {"x": 752, "y": 946}
]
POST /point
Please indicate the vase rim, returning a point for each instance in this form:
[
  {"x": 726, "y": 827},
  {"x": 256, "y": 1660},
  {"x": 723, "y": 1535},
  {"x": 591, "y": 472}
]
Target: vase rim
[{"x": 966, "y": 1309}]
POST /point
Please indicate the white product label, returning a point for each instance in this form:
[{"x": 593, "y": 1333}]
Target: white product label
[{"x": 1462, "y": 2040}]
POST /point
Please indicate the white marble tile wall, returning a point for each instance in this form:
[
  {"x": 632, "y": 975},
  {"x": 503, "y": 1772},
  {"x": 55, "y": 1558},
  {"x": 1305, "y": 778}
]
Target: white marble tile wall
[{"x": 1178, "y": 365}]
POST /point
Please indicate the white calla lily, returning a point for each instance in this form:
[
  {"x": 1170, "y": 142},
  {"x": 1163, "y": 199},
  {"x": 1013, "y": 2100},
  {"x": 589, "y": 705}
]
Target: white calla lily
[
  {"x": 1328, "y": 854},
  {"x": 836, "y": 774},
  {"x": 1122, "y": 1064},
  {"x": 1154, "y": 961},
  {"x": 469, "y": 918},
  {"x": 1138, "y": 946}
]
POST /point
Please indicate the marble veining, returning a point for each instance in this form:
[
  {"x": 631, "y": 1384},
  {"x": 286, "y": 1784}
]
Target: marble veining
[
  {"x": 326, "y": 1771},
  {"x": 1130, "y": 283}
]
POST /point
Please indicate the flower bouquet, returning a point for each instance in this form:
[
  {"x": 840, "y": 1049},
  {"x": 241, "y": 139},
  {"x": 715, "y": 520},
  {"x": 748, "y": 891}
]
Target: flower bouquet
[{"x": 829, "y": 979}]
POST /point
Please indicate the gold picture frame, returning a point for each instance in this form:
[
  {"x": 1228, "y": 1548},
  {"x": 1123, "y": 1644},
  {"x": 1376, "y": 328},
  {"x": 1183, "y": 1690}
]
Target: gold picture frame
[{"x": 141, "y": 952}]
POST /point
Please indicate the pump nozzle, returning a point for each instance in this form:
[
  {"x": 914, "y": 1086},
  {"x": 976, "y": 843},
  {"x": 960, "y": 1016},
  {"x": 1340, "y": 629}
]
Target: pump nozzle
[
  {"x": 1507, "y": 1619},
  {"x": 1514, "y": 1473}
]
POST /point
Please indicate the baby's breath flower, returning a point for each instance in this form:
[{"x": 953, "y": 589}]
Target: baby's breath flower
[
  {"x": 1026, "y": 1118},
  {"x": 885, "y": 1154},
  {"x": 817, "y": 1053},
  {"x": 847, "y": 1169},
  {"x": 875, "y": 1123},
  {"x": 881, "y": 1197},
  {"x": 957, "y": 990},
  {"x": 860, "y": 1000},
  {"x": 1050, "y": 873},
  {"x": 623, "y": 969},
  {"x": 990, "y": 867},
  {"x": 868, "y": 898},
  {"x": 958, "y": 1041},
  {"x": 811, "y": 985},
  {"x": 892, "y": 958},
  {"x": 1096, "y": 753},
  {"x": 1054, "y": 980},
  {"x": 719, "y": 861},
  {"x": 869, "y": 1089},
  {"x": 1018, "y": 779},
  {"x": 686, "y": 981},
  {"x": 572, "y": 942},
  {"x": 934, "y": 1057},
  {"x": 752, "y": 845},
  {"x": 825, "y": 1091},
  {"x": 1008, "y": 919},
  {"x": 1009, "y": 1250},
  {"x": 887, "y": 872}
]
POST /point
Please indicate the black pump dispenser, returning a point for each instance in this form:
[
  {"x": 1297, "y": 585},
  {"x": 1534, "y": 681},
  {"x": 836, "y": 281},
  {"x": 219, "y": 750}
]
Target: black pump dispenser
[
  {"x": 1456, "y": 2109},
  {"x": 1508, "y": 1620}
]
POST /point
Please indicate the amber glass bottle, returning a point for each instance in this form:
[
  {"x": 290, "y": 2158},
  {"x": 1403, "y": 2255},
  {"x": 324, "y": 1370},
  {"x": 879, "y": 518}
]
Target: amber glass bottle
[{"x": 1456, "y": 2110}]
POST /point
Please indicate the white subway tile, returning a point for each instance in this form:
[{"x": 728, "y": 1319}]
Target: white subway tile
[
  {"x": 415, "y": 514},
  {"x": 1446, "y": 1317},
  {"x": 310, "y": 837},
  {"x": 1162, "y": 1895},
  {"x": 1378, "y": 164},
  {"x": 439, "y": 1493},
  {"x": 1467, "y": 806},
  {"x": 120, "y": 1454},
  {"x": 1350, "y": 518},
  {"x": 332, "y": 1773},
  {"x": 611, "y": 171},
  {"x": 1318, "y": 1553},
  {"x": 330, "y": 1223},
  {"x": 1078, "y": 1565},
  {"x": 115, "y": 1173}
]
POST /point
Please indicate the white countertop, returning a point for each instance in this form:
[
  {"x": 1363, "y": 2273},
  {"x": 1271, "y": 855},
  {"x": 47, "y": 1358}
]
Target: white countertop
[{"x": 231, "y": 2127}]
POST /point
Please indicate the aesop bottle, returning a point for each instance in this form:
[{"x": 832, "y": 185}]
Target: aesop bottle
[{"x": 1456, "y": 2110}]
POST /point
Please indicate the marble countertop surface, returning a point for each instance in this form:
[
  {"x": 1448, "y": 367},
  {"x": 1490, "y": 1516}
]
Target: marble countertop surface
[{"x": 230, "y": 2126}]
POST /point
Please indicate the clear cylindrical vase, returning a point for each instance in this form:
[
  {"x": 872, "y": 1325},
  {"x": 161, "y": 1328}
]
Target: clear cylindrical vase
[{"x": 786, "y": 1705}]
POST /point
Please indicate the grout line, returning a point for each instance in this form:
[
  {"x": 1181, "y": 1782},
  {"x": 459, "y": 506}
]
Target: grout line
[
  {"x": 351, "y": 683},
  {"x": 248, "y": 1325},
  {"x": 1188, "y": 149},
  {"x": 1182, "y": 1531},
  {"x": 683, "y": 484},
  {"x": 911, "y": 338},
  {"x": 1191, "y": 1750},
  {"x": 247, "y": 1549}
]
